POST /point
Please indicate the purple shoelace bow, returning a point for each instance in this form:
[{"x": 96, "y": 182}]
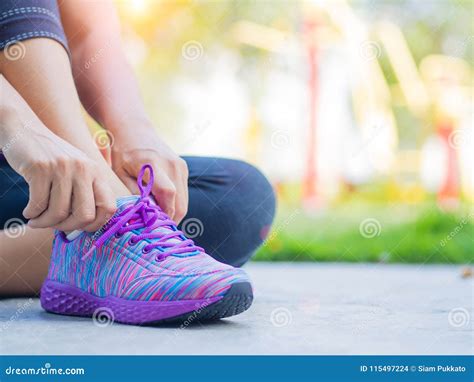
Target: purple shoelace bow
[{"x": 145, "y": 215}]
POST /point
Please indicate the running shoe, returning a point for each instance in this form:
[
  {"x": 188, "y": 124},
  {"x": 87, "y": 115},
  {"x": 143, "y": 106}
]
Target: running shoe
[{"x": 140, "y": 269}]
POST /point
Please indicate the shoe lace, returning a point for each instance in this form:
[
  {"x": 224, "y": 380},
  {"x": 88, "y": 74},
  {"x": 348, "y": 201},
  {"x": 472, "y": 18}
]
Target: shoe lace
[{"x": 148, "y": 217}]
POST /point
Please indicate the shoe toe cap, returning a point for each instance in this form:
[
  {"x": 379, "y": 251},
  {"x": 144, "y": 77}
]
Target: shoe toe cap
[{"x": 186, "y": 287}]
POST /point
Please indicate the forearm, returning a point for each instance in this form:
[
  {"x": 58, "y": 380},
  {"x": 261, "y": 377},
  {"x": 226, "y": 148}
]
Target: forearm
[
  {"x": 15, "y": 115},
  {"x": 107, "y": 85},
  {"x": 104, "y": 79},
  {"x": 109, "y": 91},
  {"x": 9, "y": 123}
]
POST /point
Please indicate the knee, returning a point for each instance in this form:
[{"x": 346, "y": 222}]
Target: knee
[
  {"x": 249, "y": 210},
  {"x": 256, "y": 194}
]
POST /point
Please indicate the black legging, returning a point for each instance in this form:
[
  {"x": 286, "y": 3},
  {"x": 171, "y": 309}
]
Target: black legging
[{"x": 231, "y": 205}]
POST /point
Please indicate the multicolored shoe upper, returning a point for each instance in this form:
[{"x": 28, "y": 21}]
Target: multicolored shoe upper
[{"x": 140, "y": 255}]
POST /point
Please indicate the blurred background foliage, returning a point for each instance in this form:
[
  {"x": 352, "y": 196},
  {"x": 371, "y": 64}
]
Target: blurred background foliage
[{"x": 234, "y": 78}]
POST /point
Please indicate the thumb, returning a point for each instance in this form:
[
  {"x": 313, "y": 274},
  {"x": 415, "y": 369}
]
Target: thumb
[
  {"x": 130, "y": 182},
  {"x": 164, "y": 193}
]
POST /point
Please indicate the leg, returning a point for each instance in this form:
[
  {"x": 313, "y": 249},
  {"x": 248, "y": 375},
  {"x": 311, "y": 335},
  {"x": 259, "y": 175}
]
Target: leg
[
  {"x": 24, "y": 252},
  {"x": 232, "y": 201},
  {"x": 24, "y": 261},
  {"x": 234, "y": 206}
]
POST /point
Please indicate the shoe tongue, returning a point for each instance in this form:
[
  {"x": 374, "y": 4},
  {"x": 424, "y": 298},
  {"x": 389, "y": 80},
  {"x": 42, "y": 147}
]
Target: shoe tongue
[{"x": 126, "y": 201}]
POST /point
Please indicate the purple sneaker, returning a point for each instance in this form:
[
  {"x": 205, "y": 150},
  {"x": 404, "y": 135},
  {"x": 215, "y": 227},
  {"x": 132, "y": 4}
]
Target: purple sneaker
[{"x": 140, "y": 269}]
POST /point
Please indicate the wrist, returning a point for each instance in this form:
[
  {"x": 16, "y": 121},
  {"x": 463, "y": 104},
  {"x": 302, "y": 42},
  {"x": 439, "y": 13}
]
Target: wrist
[
  {"x": 10, "y": 124},
  {"x": 15, "y": 116},
  {"x": 129, "y": 128}
]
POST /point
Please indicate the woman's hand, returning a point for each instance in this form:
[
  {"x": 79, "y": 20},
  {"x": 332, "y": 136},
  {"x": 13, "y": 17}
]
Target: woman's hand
[
  {"x": 134, "y": 147},
  {"x": 66, "y": 189},
  {"x": 110, "y": 93}
]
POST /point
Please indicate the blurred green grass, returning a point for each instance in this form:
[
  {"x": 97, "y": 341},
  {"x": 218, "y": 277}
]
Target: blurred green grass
[{"x": 402, "y": 233}]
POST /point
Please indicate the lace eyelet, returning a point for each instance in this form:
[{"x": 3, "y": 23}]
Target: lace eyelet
[
  {"x": 118, "y": 235},
  {"x": 132, "y": 241},
  {"x": 145, "y": 250},
  {"x": 160, "y": 258}
]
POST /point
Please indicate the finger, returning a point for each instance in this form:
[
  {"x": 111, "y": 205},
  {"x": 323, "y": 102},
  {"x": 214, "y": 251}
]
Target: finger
[
  {"x": 105, "y": 206},
  {"x": 39, "y": 197},
  {"x": 181, "y": 207},
  {"x": 83, "y": 205},
  {"x": 182, "y": 197},
  {"x": 130, "y": 183},
  {"x": 164, "y": 192},
  {"x": 59, "y": 207}
]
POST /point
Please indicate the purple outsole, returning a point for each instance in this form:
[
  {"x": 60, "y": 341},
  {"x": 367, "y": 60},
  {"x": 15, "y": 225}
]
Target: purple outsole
[{"x": 65, "y": 299}]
